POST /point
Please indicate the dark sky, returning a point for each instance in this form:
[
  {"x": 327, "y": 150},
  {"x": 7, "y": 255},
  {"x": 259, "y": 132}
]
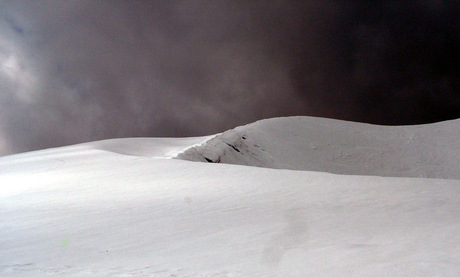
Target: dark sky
[{"x": 76, "y": 71}]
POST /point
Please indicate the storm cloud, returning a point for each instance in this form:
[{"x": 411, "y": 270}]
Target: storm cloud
[{"x": 75, "y": 71}]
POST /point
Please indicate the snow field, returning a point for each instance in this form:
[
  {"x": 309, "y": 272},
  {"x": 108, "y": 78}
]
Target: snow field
[{"x": 125, "y": 208}]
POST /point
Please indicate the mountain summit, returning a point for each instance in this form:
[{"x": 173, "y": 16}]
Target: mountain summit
[{"x": 317, "y": 144}]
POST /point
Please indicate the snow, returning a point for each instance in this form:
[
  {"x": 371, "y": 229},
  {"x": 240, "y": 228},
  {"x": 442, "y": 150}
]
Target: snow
[
  {"x": 318, "y": 144},
  {"x": 125, "y": 207}
]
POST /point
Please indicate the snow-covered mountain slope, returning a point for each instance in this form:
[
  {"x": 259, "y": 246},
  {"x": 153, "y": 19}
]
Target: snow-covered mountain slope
[
  {"x": 316, "y": 144},
  {"x": 125, "y": 208}
]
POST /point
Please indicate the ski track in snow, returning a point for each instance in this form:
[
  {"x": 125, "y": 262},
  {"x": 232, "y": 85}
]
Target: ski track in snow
[{"x": 124, "y": 207}]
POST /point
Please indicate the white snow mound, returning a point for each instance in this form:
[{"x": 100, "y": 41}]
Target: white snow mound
[{"x": 317, "y": 144}]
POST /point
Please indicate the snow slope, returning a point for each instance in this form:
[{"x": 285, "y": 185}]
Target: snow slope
[
  {"x": 317, "y": 144},
  {"x": 125, "y": 208}
]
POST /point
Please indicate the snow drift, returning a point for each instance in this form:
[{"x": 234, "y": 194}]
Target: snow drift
[{"x": 305, "y": 143}]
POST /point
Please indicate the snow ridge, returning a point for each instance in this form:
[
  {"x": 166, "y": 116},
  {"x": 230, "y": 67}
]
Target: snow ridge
[{"x": 335, "y": 146}]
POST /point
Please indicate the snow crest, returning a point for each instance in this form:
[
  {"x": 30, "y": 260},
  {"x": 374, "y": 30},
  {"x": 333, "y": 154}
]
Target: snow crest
[
  {"x": 335, "y": 146},
  {"x": 231, "y": 147}
]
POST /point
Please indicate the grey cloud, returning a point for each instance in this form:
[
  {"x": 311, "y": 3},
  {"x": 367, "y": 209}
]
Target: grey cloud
[{"x": 88, "y": 70}]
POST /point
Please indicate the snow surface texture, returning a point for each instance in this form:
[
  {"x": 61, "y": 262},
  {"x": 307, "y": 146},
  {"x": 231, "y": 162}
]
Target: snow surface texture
[
  {"x": 124, "y": 207},
  {"x": 317, "y": 144}
]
